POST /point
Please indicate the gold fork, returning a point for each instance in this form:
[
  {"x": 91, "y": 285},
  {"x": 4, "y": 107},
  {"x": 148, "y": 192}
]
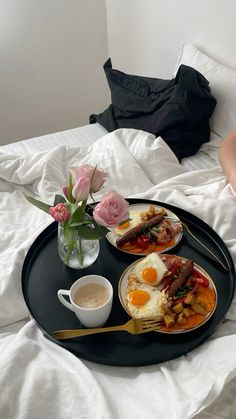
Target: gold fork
[
  {"x": 199, "y": 241},
  {"x": 133, "y": 326}
]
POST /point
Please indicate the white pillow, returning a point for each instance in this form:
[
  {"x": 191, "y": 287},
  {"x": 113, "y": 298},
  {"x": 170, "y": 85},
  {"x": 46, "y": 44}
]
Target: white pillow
[{"x": 222, "y": 82}]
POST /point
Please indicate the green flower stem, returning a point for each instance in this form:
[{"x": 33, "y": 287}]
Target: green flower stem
[
  {"x": 80, "y": 253},
  {"x": 71, "y": 240}
]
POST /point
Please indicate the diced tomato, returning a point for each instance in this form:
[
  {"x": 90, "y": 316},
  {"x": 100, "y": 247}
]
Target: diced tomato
[
  {"x": 196, "y": 273},
  {"x": 142, "y": 241},
  {"x": 201, "y": 280}
]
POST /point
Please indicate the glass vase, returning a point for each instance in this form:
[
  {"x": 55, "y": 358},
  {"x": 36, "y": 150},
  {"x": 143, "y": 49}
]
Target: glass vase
[{"x": 74, "y": 251}]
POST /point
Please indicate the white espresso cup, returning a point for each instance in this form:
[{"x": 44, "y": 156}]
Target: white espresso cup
[{"x": 90, "y": 298}]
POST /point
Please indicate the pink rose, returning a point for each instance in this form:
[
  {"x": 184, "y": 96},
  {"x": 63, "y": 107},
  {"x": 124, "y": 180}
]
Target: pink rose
[
  {"x": 60, "y": 213},
  {"x": 97, "y": 177},
  {"x": 81, "y": 189},
  {"x": 111, "y": 210}
]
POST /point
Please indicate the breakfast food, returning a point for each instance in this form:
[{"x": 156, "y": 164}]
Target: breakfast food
[
  {"x": 147, "y": 231},
  {"x": 144, "y": 300},
  {"x": 149, "y": 270},
  {"x": 172, "y": 288},
  {"x": 135, "y": 218}
]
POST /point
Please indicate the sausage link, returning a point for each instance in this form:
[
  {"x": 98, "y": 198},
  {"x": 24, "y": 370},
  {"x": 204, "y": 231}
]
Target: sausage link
[
  {"x": 133, "y": 232},
  {"x": 179, "y": 282}
]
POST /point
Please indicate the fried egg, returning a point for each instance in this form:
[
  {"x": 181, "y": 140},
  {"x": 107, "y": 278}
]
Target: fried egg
[
  {"x": 135, "y": 219},
  {"x": 143, "y": 300},
  {"x": 149, "y": 270}
]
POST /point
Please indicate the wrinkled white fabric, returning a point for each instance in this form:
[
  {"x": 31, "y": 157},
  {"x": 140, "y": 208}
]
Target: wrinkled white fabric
[{"x": 38, "y": 378}]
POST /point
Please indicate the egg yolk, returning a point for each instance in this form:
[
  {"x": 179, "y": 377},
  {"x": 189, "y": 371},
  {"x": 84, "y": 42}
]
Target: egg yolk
[
  {"x": 124, "y": 225},
  {"x": 139, "y": 297},
  {"x": 149, "y": 275}
]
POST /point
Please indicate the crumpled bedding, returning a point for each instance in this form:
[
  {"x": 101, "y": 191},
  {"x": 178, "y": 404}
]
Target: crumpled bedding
[{"x": 39, "y": 379}]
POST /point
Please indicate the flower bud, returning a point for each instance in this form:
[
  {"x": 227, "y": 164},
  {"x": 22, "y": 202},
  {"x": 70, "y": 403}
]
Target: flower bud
[
  {"x": 60, "y": 213},
  {"x": 81, "y": 189}
]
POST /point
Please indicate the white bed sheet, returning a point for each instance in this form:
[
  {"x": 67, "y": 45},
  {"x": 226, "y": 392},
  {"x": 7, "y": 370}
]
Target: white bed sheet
[
  {"x": 42, "y": 380},
  {"x": 84, "y": 135},
  {"x": 205, "y": 158}
]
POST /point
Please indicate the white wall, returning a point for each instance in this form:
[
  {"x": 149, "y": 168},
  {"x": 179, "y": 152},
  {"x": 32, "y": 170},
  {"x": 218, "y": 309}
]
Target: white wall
[
  {"x": 51, "y": 58},
  {"x": 145, "y": 37},
  {"x": 52, "y": 53}
]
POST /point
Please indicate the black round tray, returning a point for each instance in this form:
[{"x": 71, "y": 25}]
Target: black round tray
[{"x": 44, "y": 273}]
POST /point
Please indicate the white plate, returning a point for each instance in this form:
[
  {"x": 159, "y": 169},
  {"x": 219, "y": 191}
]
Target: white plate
[
  {"x": 123, "y": 283},
  {"x": 112, "y": 237}
]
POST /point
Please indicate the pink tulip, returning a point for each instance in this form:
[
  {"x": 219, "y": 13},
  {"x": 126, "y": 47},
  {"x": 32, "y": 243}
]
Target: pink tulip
[
  {"x": 111, "y": 210},
  {"x": 81, "y": 189},
  {"x": 60, "y": 213},
  {"x": 97, "y": 177}
]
